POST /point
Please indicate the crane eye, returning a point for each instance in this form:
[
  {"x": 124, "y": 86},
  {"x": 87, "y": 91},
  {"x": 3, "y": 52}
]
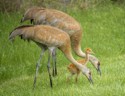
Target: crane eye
[{"x": 89, "y": 73}]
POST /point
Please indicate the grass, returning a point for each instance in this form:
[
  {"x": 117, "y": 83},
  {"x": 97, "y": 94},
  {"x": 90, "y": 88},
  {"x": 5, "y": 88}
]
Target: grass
[{"x": 104, "y": 29}]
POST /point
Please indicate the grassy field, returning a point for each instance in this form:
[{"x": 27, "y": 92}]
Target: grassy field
[{"x": 104, "y": 32}]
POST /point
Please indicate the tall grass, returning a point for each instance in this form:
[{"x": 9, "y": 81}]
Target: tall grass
[{"x": 103, "y": 31}]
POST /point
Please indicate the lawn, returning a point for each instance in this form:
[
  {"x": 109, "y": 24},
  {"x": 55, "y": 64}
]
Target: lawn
[{"x": 103, "y": 31}]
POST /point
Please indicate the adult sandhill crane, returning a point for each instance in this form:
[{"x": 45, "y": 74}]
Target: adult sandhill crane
[
  {"x": 51, "y": 37},
  {"x": 64, "y": 22},
  {"x": 74, "y": 70}
]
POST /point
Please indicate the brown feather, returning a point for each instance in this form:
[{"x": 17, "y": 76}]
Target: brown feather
[{"x": 19, "y": 32}]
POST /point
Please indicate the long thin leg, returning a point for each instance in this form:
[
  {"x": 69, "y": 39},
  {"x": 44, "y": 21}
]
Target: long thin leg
[
  {"x": 76, "y": 77},
  {"x": 68, "y": 78},
  {"x": 37, "y": 67},
  {"x": 54, "y": 62},
  {"x": 48, "y": 67}
]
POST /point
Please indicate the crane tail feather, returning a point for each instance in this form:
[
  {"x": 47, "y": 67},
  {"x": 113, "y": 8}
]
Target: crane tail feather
[
  {"x": 15, "y": 33},
  {"x": 20, "y": 31}
]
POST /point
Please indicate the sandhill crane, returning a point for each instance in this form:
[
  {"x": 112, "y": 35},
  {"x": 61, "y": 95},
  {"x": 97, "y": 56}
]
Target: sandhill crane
[
  {"x": 51, "y": 37},
  {"x": 74, "y": 70},
  {"x": 64, "y": 22}
]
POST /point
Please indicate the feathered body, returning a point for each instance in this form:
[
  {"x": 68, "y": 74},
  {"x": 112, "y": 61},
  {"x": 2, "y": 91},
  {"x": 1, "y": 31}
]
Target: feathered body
[
  {"x": 41, "y": 34},
  {"x": 74, "y": 70},
  {"x": 54, "y": 18}
]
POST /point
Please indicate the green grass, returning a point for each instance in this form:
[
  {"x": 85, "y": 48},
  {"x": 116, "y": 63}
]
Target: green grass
[{"x": 104, "y": 29}]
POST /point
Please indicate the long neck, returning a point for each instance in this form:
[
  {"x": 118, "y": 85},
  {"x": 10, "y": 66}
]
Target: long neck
[
  {"x": 69, "y": 56},
  {"x": 86, "y": 58}
]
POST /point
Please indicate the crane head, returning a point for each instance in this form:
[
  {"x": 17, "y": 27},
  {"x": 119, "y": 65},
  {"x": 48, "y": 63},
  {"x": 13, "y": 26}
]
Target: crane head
[
  {"x": 89, "y": 51},
  {"x": 88, "y": 74},
  {"x": 94, "y": 61}
]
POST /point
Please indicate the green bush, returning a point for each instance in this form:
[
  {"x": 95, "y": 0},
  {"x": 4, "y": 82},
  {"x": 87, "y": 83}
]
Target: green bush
[{"x": 15, "y": 5}]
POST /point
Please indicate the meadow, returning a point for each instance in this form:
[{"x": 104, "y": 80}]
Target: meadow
[{"x": 103, "y": 31}]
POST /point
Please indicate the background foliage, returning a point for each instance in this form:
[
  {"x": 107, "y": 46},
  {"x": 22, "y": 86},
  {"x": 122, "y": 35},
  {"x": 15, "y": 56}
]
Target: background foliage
[{"x": 14, "y": 5}]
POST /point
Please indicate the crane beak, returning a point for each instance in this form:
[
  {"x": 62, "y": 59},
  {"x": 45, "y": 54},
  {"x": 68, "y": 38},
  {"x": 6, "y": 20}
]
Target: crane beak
[
  {"x": 90, "y": 80},
  {"x": 98, "y": 69},
  {"x": 92, "y": 53}
]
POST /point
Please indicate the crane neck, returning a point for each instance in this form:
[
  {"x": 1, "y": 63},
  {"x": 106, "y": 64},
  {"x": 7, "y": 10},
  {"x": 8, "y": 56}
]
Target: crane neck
[
  {"x": 86, "y": 58},
  {"x": 69, "y": 56}
]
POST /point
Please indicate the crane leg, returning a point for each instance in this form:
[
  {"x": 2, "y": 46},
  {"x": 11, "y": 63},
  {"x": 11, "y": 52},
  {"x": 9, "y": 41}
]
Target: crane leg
[
  {"x": 76, "y": 79},
  {"x": 37, "y": 67},
  {"x": 48, "y": 67},
  {"x": 69, "y": 77},
  {"x": 54, "y": 62}
]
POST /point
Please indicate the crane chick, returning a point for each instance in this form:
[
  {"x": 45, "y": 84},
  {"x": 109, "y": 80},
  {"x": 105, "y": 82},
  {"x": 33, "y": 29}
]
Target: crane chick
[{"x": 74, "y": 70}]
